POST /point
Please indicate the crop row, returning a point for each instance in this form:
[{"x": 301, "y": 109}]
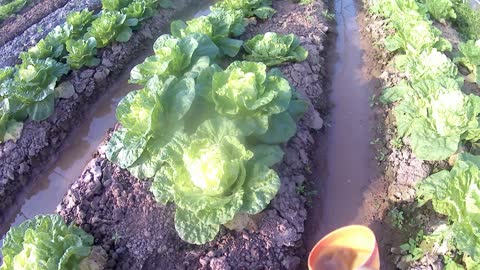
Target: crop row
[
  {"x": 206, "y": 136},
  {"x": 10, "y": 7},
  {"x": 431, "y": 109},
  {"x": 30, "y": 89}
]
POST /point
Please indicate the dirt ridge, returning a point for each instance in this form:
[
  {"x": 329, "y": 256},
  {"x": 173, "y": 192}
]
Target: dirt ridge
[{"x": 138, "y": 233}]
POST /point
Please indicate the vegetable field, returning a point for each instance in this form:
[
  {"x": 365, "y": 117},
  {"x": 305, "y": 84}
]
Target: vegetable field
[{"x": 234, "y": 134}]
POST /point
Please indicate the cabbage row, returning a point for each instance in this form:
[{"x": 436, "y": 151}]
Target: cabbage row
[
  {"x": 208, "y": 136},
  {"x": 437, "y": 116},
  {"x": 10, "y": 7},
  {"x": 431, "y": 108},
  {"x": 29, "y": 90}
]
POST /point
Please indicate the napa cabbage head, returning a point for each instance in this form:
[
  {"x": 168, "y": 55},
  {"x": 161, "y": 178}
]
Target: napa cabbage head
[
  {"x": 436, "y": 115},
  {"x": 274, "y": 49},
  {"x": 109, "y": 26},
  {"x": 211, "y": 176},
  {"x": 80, "y": 20},
  {"x": 257, "y": 101},
  {"x": 45, "y": 242}
]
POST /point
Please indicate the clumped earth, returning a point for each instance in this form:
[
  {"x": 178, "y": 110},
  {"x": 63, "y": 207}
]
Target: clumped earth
[
  {"x": 40, "y": 141},
  {"x": 139, "y": 233}
]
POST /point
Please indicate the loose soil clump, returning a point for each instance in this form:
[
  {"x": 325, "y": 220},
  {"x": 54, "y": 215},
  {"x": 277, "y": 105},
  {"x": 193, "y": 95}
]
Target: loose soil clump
[{"x": 139, "y": 233}]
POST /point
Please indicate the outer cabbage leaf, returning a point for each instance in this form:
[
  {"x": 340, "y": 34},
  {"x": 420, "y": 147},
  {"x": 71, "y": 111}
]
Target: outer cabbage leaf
[
  {"x": 45, "y": 242},
  {"x": 81, "y": 53},
  {"x": 456, "y": 194},
  {"x": 436, "y": 115},
  {"x": 114, "y": 5},
  {"x": 211, "y": 176},
  {"x": 469, "y": 56},
  {"x": 274, "y": 49}
]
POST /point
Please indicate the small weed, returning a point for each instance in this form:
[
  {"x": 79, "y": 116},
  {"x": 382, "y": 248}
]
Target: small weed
[
  {"x": 310, "y": 19},
  {"x": 396, "y": 143},
  {"x": 328, "y": 15},
  {"x": 414, "y": 252},
  {"x": 380, "y": 156},
  {"x": 39, "y": 29},
  {"x": 396, "y": 216},
  {"x": 308, "y": 169},
  {"x": 308, "y": 194},
  {"x": 374, "y": 142},
  {"x": 116, "y": 237}
]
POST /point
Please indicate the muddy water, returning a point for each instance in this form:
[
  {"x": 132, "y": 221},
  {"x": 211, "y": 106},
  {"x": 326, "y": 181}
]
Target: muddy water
[
  {"x": 50, "y": 186},
  {"x": 344, "y": 158}
]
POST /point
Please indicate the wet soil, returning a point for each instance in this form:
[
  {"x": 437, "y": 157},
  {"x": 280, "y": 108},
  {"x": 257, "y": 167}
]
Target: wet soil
[
  {"x": 344, "y": 156},
  {"x": 138, "y": 233},
  {"x": 22, "y": 161},
  {"x": 32, "y": 13}
]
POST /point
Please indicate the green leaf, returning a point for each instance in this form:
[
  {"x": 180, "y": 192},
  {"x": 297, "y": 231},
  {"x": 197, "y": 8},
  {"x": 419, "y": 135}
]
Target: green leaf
[
  {"x": 41, "y": 110},
  {"x": 124, "y": 148},
  {"x": 194, "y": 230}
]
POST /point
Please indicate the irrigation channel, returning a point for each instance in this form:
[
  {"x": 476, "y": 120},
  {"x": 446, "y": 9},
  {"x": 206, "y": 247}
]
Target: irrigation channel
[
  {"x": 344, "y": 157},
  {"x": 44, "y": 194}
]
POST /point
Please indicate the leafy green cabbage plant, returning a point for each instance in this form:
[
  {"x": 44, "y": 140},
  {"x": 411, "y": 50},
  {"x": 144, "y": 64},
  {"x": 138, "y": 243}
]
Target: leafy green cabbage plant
[
  {"x": 82, "y": 53},
  {"x": 259, "y": 8},
  {"x": 218, "y": 26},
  {"x": 256, "y": 101},
  {"x": 456, "y": 195},
  {"x": 149, "y": 118},
  {"x": 274, "y": 49},
  {"x": 45, "y": 242},
  {"x": 436, "y": 115},
  {"x": 428, "y": 65},
  {"x": 80, "y": 21},
  {"x": 176, "y": 56},
  {"x": 211, "y": 176},
  {"x": 469, "y": 56},
  {"x": 441, "y": 10},
  {"x": 34, "y": 84},
  {"x": 109, "y": 26}
]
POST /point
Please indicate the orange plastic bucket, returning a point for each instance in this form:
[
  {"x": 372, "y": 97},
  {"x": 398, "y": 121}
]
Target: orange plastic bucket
[{"x": 347, "y": 248}]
